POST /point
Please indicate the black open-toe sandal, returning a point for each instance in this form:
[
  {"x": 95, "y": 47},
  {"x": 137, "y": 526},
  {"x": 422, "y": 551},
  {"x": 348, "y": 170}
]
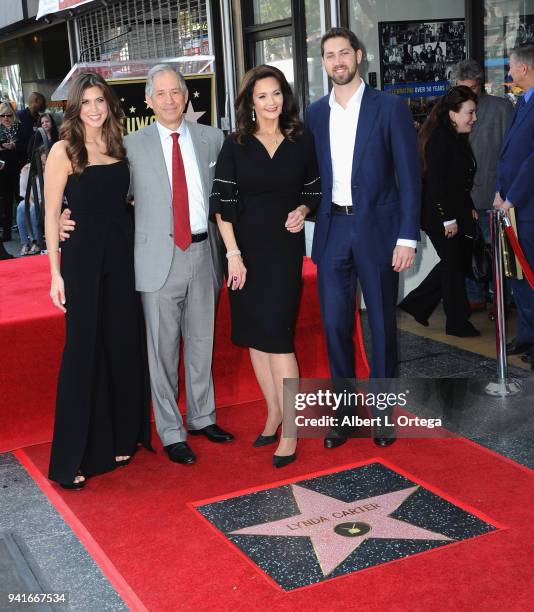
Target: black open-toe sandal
[
  {"x": 123, "y": 462},
  {"x": 74, "y": 486}
]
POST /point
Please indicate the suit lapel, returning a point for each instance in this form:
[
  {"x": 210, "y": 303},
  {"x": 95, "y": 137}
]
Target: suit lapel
[
  {"x": 323, "y": 137},
  {"x": 158, "y": 160},
  {"x": 368, "y": 111},
  {"x": 202, "y": 151},
  {"x": 518, "y": 119}
]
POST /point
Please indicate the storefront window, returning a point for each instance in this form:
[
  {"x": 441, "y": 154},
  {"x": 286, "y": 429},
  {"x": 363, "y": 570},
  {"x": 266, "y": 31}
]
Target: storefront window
[
  {"x": 507, "y": 23},
  {"x": 315, "y": 28},
  {"x": 277, "y": 52},
  {"x": 11, "y": 85},
  {"x": 274, "y": 10}
]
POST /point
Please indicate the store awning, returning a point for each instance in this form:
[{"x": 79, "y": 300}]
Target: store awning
[{"x": 127, "y": 70}]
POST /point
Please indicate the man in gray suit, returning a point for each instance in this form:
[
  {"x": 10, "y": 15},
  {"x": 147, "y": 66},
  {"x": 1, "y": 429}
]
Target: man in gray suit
[
  {"x": 178, "y": 266},
  {"x": 493, "y": 116}
]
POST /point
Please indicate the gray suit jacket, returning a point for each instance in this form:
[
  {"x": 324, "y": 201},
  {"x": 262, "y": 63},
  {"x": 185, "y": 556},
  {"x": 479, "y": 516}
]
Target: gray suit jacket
[
  {"x": 150, "y": 187},
  {"x": 493, "y": 116}
]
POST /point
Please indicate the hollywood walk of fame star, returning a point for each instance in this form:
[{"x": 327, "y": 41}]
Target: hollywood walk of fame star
[
  {"x": 192, "y": 115},
  {"x": 132, "y": 109},
  {"x": 196, "y": 94},
  {"x": 337, "y": 528}
]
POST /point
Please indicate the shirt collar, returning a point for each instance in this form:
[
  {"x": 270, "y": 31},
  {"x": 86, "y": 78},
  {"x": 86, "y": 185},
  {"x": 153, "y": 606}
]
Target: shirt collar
[
  {"x": 529, "y": 93},
  {"x": 164, "y": 132},
  {"x": 356, "y": 98}
]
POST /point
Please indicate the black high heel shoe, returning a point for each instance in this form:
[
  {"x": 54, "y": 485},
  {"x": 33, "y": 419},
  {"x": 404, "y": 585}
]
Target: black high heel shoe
[
  {"x": 262, "y": 440},
  {"x": 280, "y": 461}
]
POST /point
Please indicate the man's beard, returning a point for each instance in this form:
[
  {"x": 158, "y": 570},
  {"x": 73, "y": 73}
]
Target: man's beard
[{"x": 346, "y": 77}]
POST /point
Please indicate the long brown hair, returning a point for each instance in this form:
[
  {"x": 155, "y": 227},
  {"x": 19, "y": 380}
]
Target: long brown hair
[
  {"x": 290, "y": 124},
  {"x": 72, "y": 129},
  {"x": 439, "y": 115}
]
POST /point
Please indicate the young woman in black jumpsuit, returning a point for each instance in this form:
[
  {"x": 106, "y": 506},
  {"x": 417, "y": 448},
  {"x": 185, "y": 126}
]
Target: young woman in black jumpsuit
[{"x": 102, "y": 409}]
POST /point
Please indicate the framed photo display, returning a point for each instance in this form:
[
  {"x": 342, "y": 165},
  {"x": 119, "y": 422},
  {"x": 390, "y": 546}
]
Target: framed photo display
[{"x": 417, "y": 57}]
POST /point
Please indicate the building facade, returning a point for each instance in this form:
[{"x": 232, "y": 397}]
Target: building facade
[{"x": 410, "y": 45}]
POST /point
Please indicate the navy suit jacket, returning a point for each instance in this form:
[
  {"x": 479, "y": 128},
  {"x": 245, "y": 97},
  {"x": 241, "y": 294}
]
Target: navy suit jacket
[
  {"x": 515, "y": 170},
  {"x": 386, "y": 181}
]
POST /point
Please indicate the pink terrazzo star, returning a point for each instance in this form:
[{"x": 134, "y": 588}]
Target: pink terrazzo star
[{"x": 337, "y": 528}]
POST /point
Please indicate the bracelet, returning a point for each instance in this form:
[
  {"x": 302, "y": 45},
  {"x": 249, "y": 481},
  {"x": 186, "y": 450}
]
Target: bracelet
[{"x": 232, "y": 253}]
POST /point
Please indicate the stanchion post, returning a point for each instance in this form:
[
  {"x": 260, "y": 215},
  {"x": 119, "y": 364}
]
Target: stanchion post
[
  {"x": 502, "y": 387},
  {"x": 498, "y": 294}
]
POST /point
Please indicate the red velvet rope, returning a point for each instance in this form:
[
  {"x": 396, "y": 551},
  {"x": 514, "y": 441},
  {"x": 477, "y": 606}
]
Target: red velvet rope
[{"x": 527, "y": 270}]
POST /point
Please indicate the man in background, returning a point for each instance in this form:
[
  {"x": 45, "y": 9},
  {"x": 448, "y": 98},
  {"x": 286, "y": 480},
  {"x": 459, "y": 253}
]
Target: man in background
[
  {"x": 29, "y": 117},
  {"x": 515, "y": 188}
]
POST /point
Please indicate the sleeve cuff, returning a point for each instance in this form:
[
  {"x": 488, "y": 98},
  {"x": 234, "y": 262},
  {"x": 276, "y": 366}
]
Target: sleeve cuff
[
  {"x": 450, "y": 222},
  {"x": 407, "y": 243}
]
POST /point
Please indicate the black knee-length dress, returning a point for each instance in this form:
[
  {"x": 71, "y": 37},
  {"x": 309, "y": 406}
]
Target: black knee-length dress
[
  {"x": 255, "y": 193},
  {"x": 102, "y": 408}
]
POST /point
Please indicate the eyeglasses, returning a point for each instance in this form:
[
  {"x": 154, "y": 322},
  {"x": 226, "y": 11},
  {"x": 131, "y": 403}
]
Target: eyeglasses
[{"x": 5, "y": 116}]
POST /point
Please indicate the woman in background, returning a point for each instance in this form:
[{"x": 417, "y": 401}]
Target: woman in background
[
  {"x": 448, "y": 213},
  {"x": 14, "y": 157},
  {"x": 102, "y": 399},
  {"x": 266, "y": 182},
  {"x": 29, "y": 235}
]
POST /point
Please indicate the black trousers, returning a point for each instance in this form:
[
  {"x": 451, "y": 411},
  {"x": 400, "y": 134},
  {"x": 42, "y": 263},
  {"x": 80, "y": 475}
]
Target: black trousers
[
  {"x": 445, "y": 281},
  {"x": 9, "y": 190}
]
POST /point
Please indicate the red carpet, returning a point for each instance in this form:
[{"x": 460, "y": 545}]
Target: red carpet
[
  {"x": 143, "y": 529},
  {"x": 32, "y": 336}
]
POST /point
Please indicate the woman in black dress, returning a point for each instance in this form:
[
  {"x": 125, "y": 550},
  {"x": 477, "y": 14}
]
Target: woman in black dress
[
  {"x": 102, "y": 399},
  {"x": 266, "y": 182},
  {"x": 448, "y": 212}
]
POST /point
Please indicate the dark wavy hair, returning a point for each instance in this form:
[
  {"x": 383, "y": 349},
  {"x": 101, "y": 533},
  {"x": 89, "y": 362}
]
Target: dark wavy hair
[
  {"x": 72, "y": 129},
  {"x": 439, "y": 115},
  {"x": 290, "y": 124},
  {"x": 54, "y": 133}
]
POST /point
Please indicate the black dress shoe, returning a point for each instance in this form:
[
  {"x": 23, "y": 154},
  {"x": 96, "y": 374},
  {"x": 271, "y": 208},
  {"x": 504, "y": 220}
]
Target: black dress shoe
[
  {"x": 179, "y": 452},
  {"x": 380, "y": 441},
  {"x": 334, "y": 439},
  {"x": 528, "y": 357},
  {"x": 422, "y": 321},
  {"x": 516, "y": 348},
  {"x": 280, "y": 461},
  {"x": 262, "y": 440},
  {"x": 213, "y": 432},
  {"x": 465, "y": 331}
]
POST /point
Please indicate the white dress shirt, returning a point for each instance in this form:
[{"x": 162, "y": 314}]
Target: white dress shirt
[
  {"x": 197, "y": 213},
  {"x": 343, "y": 133}
]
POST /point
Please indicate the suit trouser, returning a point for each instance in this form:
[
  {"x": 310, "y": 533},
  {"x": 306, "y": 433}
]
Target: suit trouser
[
  {"x": 523, "y": 292},
  {"x": 344, "y": 261},
  {"x": 183, "y": 308},
  {"x": 446, "y": 280}
]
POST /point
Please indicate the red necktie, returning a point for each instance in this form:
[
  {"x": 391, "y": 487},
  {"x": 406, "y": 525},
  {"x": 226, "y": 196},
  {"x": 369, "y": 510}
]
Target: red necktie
[{"x": 180, "y": 199}]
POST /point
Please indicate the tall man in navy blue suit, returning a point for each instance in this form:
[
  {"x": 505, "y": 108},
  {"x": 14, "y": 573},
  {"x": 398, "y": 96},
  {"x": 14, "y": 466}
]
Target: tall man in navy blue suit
[
  {"x": 515, "y": 187},
  {"x": 367, "y": 224}
]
